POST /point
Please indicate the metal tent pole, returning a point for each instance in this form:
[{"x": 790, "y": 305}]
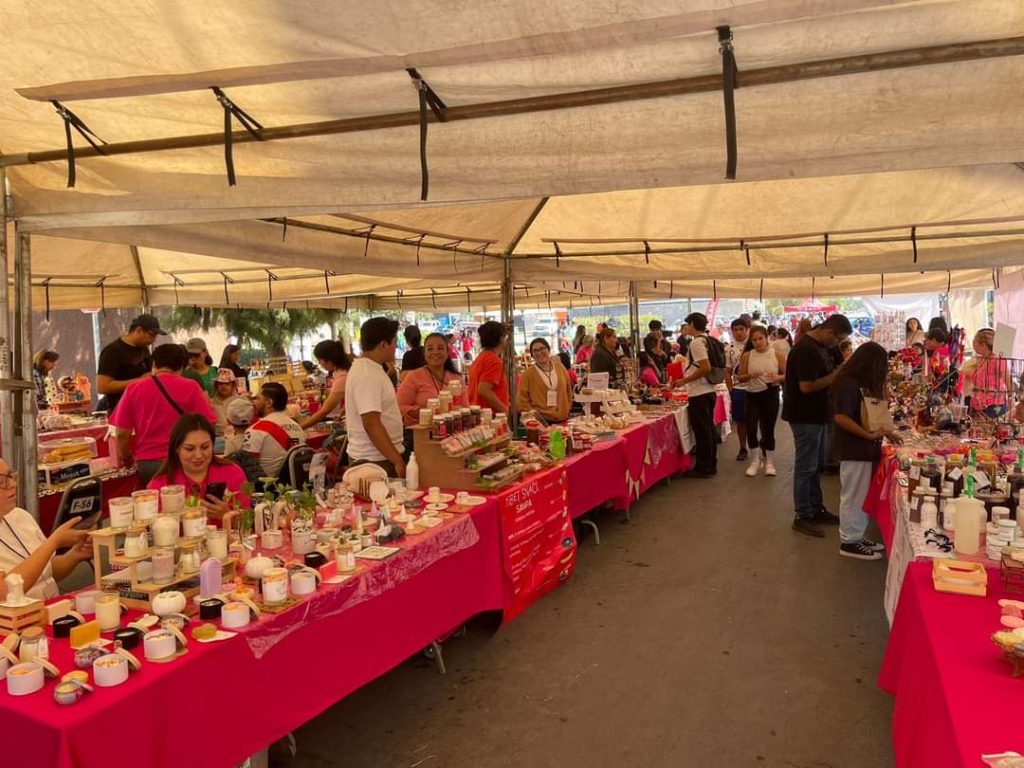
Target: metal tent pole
[
  {"x": 24, "y": 398},
  {"x": 6, "y": 400},
  {"x": 634, "y": 328},
  {"x": 508, "y": 320}
]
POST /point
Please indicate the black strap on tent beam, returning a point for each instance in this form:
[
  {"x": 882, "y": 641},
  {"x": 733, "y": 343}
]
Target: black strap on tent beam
[
  {"x": 760, "y": 291},
  {"x": 558, "y": 255},
  {"x": 813, "y": 280},
  {"x": 671, "y": 288},
  {"x": 469, "y": 300},
  {"x": 71, "y": 120},
  {"x": 913, "y": 241},
  {"x": 730, "y": 77},
  {"x": 714, "y": 290},
  {"x": 327, "y": 281},
  {"x": 419, "y": 244},
  {"x": 247, "y": 121},
  {"x": 995, "y": 278},
  {"x": 826, "y": 249},
  {"x": 949, "y": 281},
  {"x": 647, "y": 252},
  {"x": 428, "y": 98},
  {"x": 271, "y": 277},
  {"x": 881, "y": 293},
  {"x": 746, "y": 251},
  {"x": 227, "y": 281},
  {"x": 284, "y": 229},
  {"x": 101, "y": 284},
  {"x": 369, "y": 234},
  {"x": 433, "y": 298},
  {"x": 46, "y": 291}
]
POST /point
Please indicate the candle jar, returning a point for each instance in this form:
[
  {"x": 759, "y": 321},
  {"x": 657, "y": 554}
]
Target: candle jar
[
  {"x": 33, "y": 645},
  {"x": 434, "y": 405},
  {"x": 303, "y": 541},
  {"x": 425, "y": 417},
  {"x": 345, "y": 558},
  {"x": 217, "y": 543},
  {"x": 122, "y": 510},
  {"x": 275, "y": 586},
  {"x": 165, "y": 531},
  {"x": 136, "y": 543},
  {"x": 194, "y": 523},
  {"x": 172, "y": 499},
  {"x": 189, "y": 558},
  {"x": 163, "y": 565},
  {"x": 474, "y": 411},
  {"x": 108, "y": 611},
  {"x": 146, "y": 503}
]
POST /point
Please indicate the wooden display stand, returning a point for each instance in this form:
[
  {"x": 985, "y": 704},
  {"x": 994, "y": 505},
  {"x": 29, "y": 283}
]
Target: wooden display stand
[
  {"x": 439, "y": 469},
  {"x": 959, "y": 577},
  {"x": 140, "y": 593},
  {"x": 17, "y": 618}
]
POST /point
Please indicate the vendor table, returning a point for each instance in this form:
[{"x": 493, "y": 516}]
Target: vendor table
[
  {"x": 97, "y": 432},
  {"x": 119, "y": 482},
  {"x": 224, "y": 701},
  {"x": 955, "y": 699}
]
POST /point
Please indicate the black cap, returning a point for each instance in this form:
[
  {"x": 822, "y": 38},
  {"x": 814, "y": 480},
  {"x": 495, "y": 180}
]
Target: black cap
[{"x": 147, "y": 323}]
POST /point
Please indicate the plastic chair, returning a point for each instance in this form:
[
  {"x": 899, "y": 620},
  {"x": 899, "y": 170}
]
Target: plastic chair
[
  {"x": 82, "y": 498},
  {"x": 295, "y": 470}
]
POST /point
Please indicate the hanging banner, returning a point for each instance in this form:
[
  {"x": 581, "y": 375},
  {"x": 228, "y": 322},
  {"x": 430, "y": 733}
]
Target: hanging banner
[{"x": 538, "y": 544}]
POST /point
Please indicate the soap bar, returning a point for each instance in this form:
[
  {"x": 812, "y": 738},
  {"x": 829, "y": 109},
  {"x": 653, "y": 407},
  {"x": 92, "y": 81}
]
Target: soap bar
[{"x": 85, "y": 634}]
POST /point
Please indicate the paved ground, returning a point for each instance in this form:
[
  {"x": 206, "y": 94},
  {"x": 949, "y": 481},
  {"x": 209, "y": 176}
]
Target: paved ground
[{"x": 704, "y": 633}]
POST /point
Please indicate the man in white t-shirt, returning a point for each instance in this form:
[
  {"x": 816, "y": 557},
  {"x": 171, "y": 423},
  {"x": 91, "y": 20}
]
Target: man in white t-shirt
[
  {"x": 701, "y": 398},
  {"x": 371, "y": 407},
  {"x": 274, "y": 433},
  {"x": 740, "y": 330}
]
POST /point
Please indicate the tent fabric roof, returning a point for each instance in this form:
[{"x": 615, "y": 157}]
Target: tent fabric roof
[{"x": 862, "y": 157}]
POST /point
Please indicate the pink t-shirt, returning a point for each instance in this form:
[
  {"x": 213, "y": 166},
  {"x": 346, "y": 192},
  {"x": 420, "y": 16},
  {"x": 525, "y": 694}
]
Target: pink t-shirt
[
  {"x": 417, "y": 387},
  {"x": 144, "y": 410},
  {"x": 230, "y": 474}
]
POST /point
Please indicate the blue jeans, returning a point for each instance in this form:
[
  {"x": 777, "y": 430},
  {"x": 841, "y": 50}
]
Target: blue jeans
[{"x": 808, "y": 464}]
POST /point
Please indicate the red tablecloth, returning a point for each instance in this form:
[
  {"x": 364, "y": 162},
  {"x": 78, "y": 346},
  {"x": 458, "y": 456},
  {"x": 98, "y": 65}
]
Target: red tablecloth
[
  {"x": 120, "y": 483},
  {"x": 955, "y": 699},
  {"x": 878, "y": 504},
  {"x": 220, "y": 703}
]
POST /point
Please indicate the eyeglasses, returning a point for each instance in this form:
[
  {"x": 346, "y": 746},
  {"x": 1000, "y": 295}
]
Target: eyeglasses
[
  {"x": 9, "y": 480},
  {"x": 538, "y": 351}
]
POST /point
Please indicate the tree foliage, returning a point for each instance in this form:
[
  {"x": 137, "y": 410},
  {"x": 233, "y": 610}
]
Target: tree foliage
[{"x": 271, "y": 330}]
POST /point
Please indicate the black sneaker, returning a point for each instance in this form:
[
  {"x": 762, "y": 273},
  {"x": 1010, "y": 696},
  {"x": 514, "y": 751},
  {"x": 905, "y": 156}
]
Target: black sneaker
[
  {"x": 742, "y": 455},
  {"x": 824, "y": 517},
  {"x": 807, "y": 527},
  {"x": 859, "y": 550},
  {"x": 874, "y": 545}
]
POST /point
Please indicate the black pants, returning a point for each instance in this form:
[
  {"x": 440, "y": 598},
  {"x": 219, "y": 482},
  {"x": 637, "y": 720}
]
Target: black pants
[
  {"x": 762, "y": 413},
  {"x": 702, "y": 422}
]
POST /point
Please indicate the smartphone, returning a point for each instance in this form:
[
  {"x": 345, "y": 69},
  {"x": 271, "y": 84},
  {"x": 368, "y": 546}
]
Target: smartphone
[{"x": 216, "y": 489}]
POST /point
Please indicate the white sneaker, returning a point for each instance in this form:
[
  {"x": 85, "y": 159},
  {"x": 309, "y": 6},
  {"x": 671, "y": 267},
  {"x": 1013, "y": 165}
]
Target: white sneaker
[
  {"x": 769, "y": 470},
  {"x": 754, "y": 466}
]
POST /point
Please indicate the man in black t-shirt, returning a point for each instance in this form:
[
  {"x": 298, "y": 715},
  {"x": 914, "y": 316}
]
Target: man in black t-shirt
[
  {"x": 126, "y": 359},
  {"x": 809, "y": 372}
]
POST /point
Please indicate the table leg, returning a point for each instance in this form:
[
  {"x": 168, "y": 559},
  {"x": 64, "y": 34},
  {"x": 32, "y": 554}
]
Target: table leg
[{"x": 593, "y": 525}]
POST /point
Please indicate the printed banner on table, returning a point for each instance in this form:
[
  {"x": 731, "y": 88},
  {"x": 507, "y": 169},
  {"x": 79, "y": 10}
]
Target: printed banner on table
[{"x": 539, "y": 547}]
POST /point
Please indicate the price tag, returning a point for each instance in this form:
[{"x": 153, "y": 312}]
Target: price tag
[
  {"x": 981, "y": 479},
  {"x": 915, "y": 472},
  {"x": 955, "y": 474}
]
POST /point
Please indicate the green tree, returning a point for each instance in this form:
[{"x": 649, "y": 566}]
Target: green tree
[{"x": 272, "y": 330}]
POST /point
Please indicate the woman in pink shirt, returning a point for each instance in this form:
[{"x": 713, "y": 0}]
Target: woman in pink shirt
[
  {"x": 190, "y": 462},
  {"x": 586, "y": 350},
  {"x": 421, "y": 384},
  {"x": 335, "y": 360}
]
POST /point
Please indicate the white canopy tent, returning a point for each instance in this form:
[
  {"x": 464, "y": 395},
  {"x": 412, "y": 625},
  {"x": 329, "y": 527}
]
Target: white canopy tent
[{"x": 583, "y": 149}]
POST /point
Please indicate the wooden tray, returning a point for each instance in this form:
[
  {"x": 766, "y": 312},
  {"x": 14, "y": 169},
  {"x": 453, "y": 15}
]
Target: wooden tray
[{"x": 959, "y": 577}]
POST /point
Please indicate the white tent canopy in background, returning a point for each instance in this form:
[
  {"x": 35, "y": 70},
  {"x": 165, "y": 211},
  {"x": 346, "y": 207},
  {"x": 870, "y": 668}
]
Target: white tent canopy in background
[{"x": 877, "y": 160}]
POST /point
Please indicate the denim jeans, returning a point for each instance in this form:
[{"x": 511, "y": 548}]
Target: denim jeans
[
  {"x": 855, "y": 477},
  {"x": 808, "y": 464}
]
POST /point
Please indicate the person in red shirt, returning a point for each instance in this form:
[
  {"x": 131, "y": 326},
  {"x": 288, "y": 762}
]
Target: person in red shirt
[
  {"x": 488, "y": 387},
  {"x": 150, "y": 407}
]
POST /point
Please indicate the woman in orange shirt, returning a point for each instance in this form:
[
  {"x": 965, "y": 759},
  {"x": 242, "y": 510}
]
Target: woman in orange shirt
[{"x": 487, "y": 385}]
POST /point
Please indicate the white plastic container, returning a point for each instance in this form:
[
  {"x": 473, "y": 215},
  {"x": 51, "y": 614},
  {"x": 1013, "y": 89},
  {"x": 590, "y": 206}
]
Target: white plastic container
[
  {"x": 969, "y": 514},
  {"x": 412, "y": 473}
]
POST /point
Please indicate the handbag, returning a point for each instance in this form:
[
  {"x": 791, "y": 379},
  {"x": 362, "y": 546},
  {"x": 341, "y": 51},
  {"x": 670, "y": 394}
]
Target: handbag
[
  {"x": 167, "y": 396},
  {"x": 874, "y": 413}
]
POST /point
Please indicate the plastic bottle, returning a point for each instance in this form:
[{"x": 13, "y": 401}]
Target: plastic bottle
[
  {"x": 412, "y": 473},
  {"x": 557, "y": 448}
]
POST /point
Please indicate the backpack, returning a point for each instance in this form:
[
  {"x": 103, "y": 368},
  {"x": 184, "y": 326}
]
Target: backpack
[
  {"x": 716, "y": 359},
  {"x": 250, "y": 465}
]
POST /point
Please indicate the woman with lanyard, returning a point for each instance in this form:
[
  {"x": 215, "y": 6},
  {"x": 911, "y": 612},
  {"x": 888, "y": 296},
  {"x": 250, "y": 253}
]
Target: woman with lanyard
[
  {"x": 24, "y": 549},
  {"x": 545, "y": 387},
  {"x": 190, "y": 462},
  {"x": 421, "y": 384}
]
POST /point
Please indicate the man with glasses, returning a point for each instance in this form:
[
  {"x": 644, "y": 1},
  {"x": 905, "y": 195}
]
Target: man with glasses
[
  {"x": 126, "y": 359},
  {"x": 809, "y": 373}
]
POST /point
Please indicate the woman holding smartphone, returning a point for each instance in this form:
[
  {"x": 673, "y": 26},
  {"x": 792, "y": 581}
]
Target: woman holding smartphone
[{"x": 191, "y": 462}]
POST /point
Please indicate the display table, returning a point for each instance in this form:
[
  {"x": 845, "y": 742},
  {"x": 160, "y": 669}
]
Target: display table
[
  {"x": 97, "y": 432},
  {"x": 119, "y": 482},
  {"x": 224, "y": 701},
  {"x": 955, "y": 699}
]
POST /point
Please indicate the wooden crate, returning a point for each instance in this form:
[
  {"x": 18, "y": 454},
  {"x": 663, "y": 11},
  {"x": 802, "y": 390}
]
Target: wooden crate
[
  {"x": 959, "y": 577},
  {"x": 17, "y": 618}
]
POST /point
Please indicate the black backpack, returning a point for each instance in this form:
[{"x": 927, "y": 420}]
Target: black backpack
[{"x": 716, "y": 359}]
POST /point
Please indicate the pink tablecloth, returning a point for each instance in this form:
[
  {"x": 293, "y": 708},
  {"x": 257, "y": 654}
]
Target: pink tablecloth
[
  {"x": 220, "y": 703},
  {"x": 879, "y": 502},
  {"x": 955, "y": 699}
]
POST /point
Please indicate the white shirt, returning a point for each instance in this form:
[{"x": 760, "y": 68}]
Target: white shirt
[
  {"x": 20, "y": 536},
  {"x": 368, "y": 390},
  {"x": 732, "y": 359},
  {"x": 698, "y": 352},
  {"x": 269, "y": 452}
]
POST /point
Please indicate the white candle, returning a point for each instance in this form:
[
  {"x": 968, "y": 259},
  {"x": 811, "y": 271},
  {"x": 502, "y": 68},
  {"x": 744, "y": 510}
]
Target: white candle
[{"x": 108, "y": 611}]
